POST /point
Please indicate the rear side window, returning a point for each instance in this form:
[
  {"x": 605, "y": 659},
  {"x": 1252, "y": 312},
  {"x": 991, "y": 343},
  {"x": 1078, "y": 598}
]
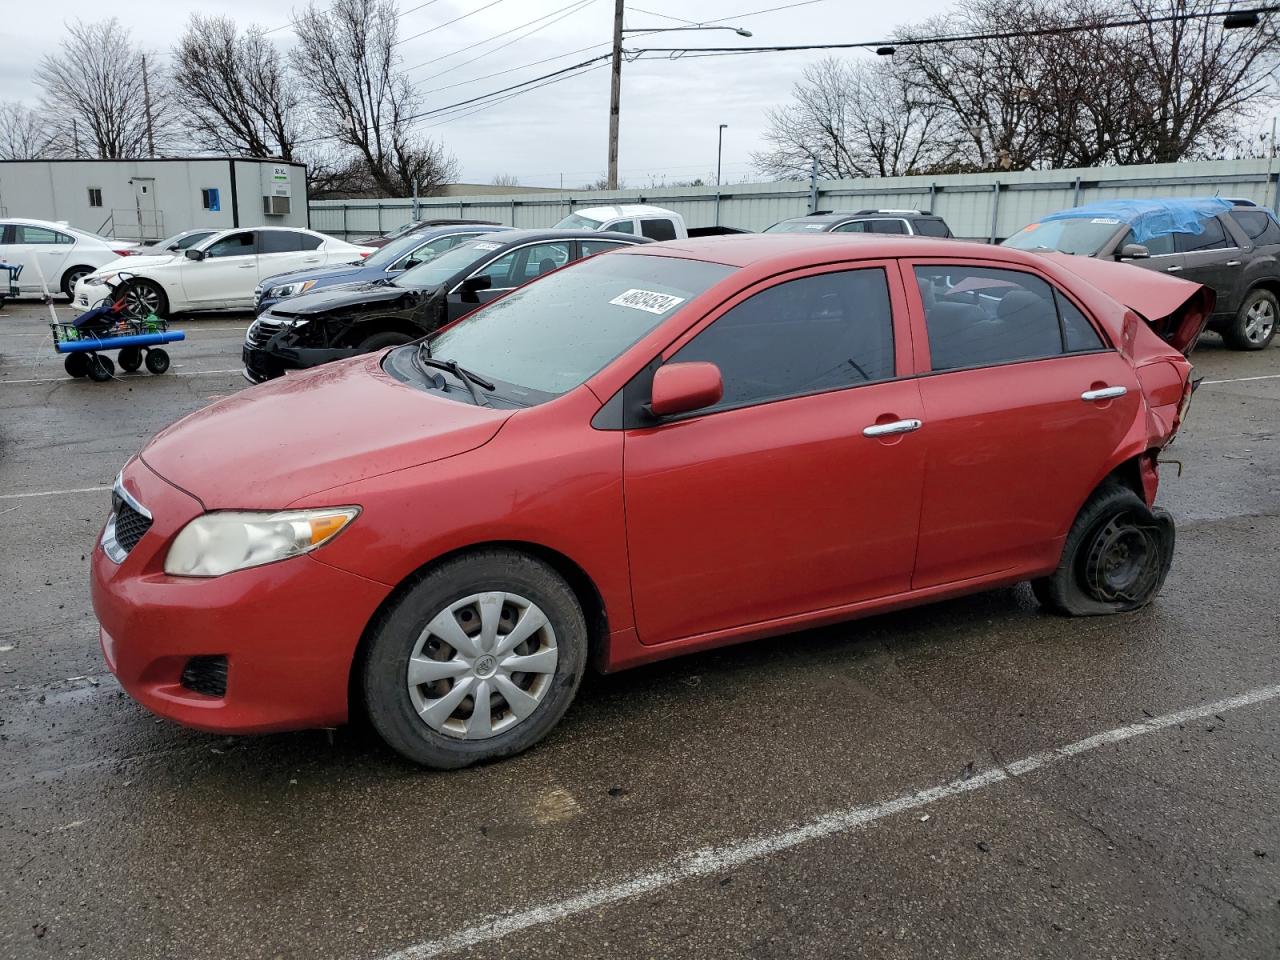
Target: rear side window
[
  {"x": 1214, "y": 237},
  {"x": 591, "y": 247},
  {"x": 979, "y": 316},
  {"x": 41, "y": 235},
  {"x": 931, "y": 228},
  {"x": 658, "y": 229},
  {"x": 1259, "y": 226},
  {"x": 810, "y": 335}
]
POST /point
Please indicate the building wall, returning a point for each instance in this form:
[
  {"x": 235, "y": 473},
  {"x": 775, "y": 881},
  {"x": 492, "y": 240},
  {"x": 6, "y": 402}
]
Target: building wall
[
  {"x": 976, "y": 206},
  {"x": 59, "y": 190}
]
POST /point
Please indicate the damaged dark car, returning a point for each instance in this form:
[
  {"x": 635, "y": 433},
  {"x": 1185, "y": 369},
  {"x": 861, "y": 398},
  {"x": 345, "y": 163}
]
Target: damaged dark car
[{"x": 351, "y": 319}]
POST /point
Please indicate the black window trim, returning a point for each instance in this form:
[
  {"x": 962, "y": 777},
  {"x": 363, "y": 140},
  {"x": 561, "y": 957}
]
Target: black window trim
[{"x": 1107, "y": 346}]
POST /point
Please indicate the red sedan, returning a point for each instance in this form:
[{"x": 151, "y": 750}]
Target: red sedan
[{"x": 650, "y": 452}]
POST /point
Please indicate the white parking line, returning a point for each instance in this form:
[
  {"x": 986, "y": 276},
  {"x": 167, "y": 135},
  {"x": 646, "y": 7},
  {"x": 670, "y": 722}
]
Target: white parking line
[
  {"x": 51, "y": 493},
  {"x": 178, "y": 373},
  {"x": 712, "y": 860},
  {"x": 1269, "y": 376}
]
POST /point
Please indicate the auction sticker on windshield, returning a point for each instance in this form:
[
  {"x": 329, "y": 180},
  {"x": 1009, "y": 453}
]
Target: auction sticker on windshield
[
  {"x": 647, "y": 300},
  {"x": 485, "y": 246}
]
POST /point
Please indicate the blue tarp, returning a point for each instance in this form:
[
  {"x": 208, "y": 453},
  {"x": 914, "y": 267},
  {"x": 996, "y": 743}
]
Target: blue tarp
[{"x": 1149, "y": 218}]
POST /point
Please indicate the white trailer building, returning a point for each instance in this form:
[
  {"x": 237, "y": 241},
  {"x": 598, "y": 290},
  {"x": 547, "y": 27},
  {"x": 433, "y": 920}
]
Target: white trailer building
[{"x": 154, "y": 198}]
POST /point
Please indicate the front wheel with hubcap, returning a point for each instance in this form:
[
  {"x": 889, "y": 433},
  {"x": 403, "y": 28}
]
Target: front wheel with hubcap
[
  {"x": 143, "y": 298},
  {"x": 1255, "y": 322},
  {"x": 477, "y": 660},
  {"x": 1115, "y": 558}
]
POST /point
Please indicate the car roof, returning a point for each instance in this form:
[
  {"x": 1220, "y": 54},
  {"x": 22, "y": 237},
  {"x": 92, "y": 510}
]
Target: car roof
[
  {"x": 791, "y": 250},
  {"x": 622, "y": 210},
  {"x": 512, "y": 237},
  {"x": 837, "y": 215}
]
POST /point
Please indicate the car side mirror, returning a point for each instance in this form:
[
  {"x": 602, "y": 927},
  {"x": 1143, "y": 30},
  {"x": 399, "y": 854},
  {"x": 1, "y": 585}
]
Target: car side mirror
[
  {"x": 685, "y": 387},
  {"x": 473, "y": 285},
  {"x": 1133, "y": 251},
  {"x": 194, "y": 254}
]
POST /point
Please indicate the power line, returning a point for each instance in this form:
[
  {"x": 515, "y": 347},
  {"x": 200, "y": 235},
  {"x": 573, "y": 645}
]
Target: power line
[
  {"x": 480, "y": 43},
  {"x": 449, "y": 23}
]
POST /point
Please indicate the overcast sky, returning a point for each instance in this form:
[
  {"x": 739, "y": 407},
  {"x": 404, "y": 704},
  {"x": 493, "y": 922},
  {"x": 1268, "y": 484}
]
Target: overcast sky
[{"x": 671, "y": 109}]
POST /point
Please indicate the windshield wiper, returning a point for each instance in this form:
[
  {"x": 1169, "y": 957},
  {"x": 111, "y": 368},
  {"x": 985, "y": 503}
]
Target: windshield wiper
[{"x": 424, "y": 358}]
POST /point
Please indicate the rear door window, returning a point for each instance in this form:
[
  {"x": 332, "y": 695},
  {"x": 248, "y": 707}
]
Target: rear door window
[
  {"x": 810, "y": 335},
  {"x": 888, "y": 226},
  {"x": 279, "y": 241},
  {"x": 658, "y": 229},
  {"x": 980, "y": 316},
  {"x": 41, "y": 235},
  {"x": 592, "y": 247}
]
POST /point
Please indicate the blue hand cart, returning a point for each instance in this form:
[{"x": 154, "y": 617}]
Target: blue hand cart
[{"x": 108, "y": 326}]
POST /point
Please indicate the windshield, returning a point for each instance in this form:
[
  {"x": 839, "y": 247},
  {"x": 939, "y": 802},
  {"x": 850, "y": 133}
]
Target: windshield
[
  {"x": 1083, "y": 237},
  {"x": 437, "y": 270},
  {"x": 576, "y": 221},
  {"x": 553, "y": 334},
  {"x": 799, "y": 226},
  {"x": 393, "y": 251}
]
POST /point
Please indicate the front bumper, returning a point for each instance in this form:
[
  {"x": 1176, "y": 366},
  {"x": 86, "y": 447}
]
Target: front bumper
[{"x": 288, "y": 630}]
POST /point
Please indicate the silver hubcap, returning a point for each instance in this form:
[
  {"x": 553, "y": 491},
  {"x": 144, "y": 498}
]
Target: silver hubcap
[
  {"x": 482, "y": 665},
  {"x": 1259, "y": 321}
]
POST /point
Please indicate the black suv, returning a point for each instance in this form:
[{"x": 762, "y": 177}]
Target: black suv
[
  {"x": 909, "y": 222},
  {"x": 345, "y": 320},
  {"x": 1236, "y": 252}
]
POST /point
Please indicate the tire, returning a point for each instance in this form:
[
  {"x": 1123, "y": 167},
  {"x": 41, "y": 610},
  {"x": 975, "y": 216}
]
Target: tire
[
  {"x": 101, "y": 369},
  {"x": 71, "y": 276},
  {"x": 1254, "y": 325},
  {"x": 157, "y": 360},
  {"x": 129, "y": 358},
  {"x": 380, "y": 341},
  {"x": 447, "y": 603},
  {"x": 77, "y": 364},
  {"x": 143, "y": 298},
  {"x": 1115, "y": 558}
]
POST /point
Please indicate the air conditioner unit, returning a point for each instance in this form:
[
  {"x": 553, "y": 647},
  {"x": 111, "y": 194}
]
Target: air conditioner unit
[{"x": 275, "y": 206}]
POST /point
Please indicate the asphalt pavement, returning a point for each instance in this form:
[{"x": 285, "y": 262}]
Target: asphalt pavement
[{"x": 968, "y": 779}]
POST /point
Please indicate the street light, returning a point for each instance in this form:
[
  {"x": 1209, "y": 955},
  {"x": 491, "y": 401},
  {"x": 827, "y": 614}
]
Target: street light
[
  {"x": 719, "y": 150},
  {"x": 615, "y": 89}
]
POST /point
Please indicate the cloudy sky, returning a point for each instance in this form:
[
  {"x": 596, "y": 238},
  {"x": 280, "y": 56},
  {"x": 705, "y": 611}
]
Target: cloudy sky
[{"x": 671, "y": 109}]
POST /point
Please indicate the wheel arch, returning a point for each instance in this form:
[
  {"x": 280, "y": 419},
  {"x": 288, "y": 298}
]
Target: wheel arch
[
  {"x": 580, "y": 582},
  {"x": 66, "y": 275},
  {"x": 364, "y": 328}
]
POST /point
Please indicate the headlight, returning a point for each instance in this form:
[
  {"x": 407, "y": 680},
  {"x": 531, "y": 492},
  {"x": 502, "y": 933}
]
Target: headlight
[
  {"x": 291, "y": 289},
  {"x": 227, "y": 540},
  {"x": 92, "y": 281}
]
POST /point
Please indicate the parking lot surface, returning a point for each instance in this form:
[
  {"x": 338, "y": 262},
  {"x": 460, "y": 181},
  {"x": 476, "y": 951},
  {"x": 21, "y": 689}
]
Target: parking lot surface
[{"x": 969, "y": 779}]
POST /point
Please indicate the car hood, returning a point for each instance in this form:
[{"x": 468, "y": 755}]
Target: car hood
[
  {"x": 346, "y": 296},
  {"x": 337, "y": 273},
  {"x": 135, "y": 263},
  {"x": 269, "y": 445},
  {"x": 1176, "y": 309}
]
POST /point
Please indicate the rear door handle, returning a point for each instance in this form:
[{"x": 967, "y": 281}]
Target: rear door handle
[
  {"x": 888, "y": 429},
  {"x": 1106, "y": 393},
  {"x": 1173, "y": 269},
  {"x": 1233, "y": 263}
]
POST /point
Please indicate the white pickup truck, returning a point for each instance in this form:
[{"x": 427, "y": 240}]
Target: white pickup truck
[{"x": 655, "y": 223}]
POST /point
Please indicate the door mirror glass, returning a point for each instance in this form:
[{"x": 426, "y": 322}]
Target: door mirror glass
[
  {"x": 1133, "y": 251},
  {"x": 473, "y": 285},
  {"x": 194, "y": 254},
  {"x": 684, "y": 387}
]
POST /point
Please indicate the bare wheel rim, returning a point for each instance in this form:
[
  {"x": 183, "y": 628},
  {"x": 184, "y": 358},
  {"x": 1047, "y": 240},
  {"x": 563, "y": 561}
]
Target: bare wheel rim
[
  {"x": 1259, "y": 321},
  {"x": 482, "y": 665},
  {"x": 142, "y": 300}
]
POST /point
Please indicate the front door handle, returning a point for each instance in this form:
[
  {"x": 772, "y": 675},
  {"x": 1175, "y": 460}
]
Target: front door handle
[
  {"x": 1174, "y": 269},
  {"x": 888, "y": 429},
  {"x": 1233, "y": 263},
  {"x": 1106, "y": 393}
]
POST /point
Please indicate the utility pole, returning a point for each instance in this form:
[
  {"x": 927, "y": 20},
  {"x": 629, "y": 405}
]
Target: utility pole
[
  {"x": 615, "y": 94},
  {"x": 719, "y": 151},
  {"x": 146, "y": 105}
]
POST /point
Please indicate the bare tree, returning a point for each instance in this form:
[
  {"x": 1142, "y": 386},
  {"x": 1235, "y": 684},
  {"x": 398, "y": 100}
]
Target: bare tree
[
  {"x": 23, "y": 134},
  {"x": 857, "y": 119},
  {"x": 347, "y": 62},
  {"x": 94, "y": 93},
  {"x": 505, "y": 180},
  {"x": 234, "y": 91}
]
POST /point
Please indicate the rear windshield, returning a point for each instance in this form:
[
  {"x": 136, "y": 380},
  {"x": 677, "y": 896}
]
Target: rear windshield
[
  {"x": 560, "y": 330},
  {"x": 1084, "y": 237},
  {"x": 799, "y": 226}
]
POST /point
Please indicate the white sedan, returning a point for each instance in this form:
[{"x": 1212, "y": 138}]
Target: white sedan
[
  {"x": 218, "y": 273},
  {"x": 55, "y": 255}
]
